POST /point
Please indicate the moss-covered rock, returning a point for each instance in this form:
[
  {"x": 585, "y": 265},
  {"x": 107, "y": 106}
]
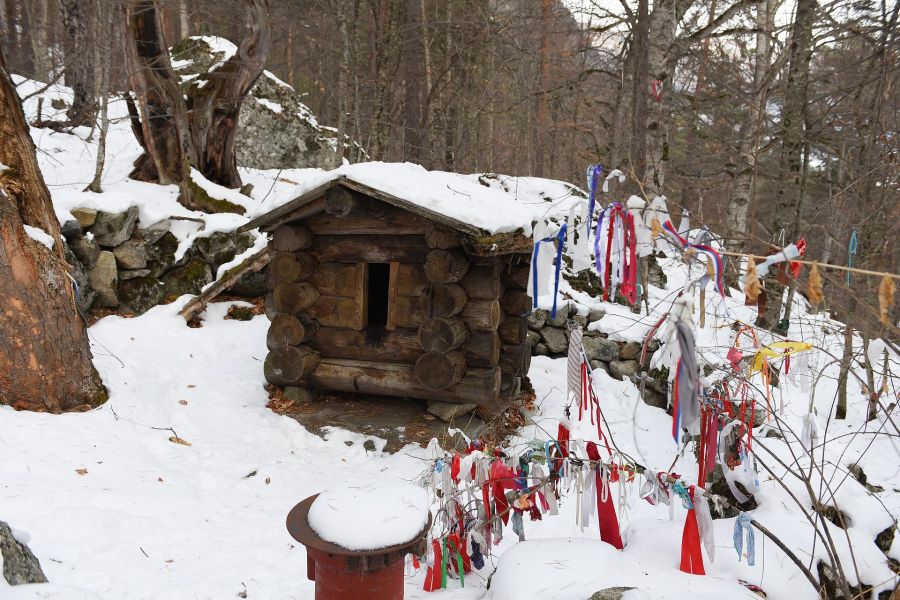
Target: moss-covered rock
[
  {"x": 187, "y": 279},
  {"x": 140, "y": 294},
  {"x": 221, "y": 247},
  {"x": 201, "y": 200}
]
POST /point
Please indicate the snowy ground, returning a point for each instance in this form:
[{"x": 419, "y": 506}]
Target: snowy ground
[{"x": 117, "y": 510}]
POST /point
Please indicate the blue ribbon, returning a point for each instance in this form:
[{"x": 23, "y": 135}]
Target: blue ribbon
[
  {"x": 560, "y": 238},
  {"x": 593, "y": 178},
  {"x": 740, "y": 524},
  {"x": 852, "y": 248}
]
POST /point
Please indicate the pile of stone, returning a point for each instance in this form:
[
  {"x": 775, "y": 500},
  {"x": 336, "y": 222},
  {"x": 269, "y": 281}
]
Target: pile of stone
[
  {"x": 549, "y": 336},
  {"x": 122, "y": 266}
]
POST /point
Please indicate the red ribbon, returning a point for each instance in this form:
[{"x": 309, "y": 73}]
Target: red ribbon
[
  {"x": 502, "y": 477},
  {"x": 606, "y": 512},
  {"x": 629, "y": 277},
  {"x": 454, "y": 543},
  {"x": 691, "y": 557},
  {"x": 433, "y": 575}
]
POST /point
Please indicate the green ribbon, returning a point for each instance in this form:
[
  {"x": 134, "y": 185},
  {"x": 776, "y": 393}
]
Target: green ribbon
[
  {"x": 443, "y": 564},
  {"x": 459, "y": 565}
]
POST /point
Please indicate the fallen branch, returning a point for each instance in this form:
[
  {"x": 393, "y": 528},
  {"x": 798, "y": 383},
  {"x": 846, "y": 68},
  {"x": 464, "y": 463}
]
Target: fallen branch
[{"x": 249, "y": 265}]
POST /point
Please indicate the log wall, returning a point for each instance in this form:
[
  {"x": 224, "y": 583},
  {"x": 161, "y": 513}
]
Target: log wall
[{"x": 455, "y": 330}]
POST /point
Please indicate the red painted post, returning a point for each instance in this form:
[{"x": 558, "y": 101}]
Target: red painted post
[{"x": 342, "y": 574}]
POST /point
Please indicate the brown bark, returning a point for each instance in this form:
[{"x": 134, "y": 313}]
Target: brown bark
[
  {"x": 164, "y": 125},
  {"x": 45, "y": 360},
  {"x": 214, "y": 108},
  {"x": 79, "y": 59}
]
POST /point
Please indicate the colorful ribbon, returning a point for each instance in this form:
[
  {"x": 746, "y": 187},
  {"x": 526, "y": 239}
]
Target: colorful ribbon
[{"x": 741, "y": 524}]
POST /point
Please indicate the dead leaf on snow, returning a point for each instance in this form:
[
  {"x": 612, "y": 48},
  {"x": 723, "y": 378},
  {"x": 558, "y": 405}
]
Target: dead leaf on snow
[
  {"x": 177, "y": 440},
  {"x": 81, "y": 471}
]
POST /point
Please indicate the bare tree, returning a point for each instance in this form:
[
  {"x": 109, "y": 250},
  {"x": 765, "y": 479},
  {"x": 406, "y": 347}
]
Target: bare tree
[{"x": 79, "y": 59}]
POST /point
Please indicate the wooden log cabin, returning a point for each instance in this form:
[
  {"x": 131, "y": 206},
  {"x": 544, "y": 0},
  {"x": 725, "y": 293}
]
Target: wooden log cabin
[{"x": 378, "y": 294}]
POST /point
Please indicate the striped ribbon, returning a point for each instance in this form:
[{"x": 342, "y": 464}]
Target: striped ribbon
[{"x": 714, "y": 257}]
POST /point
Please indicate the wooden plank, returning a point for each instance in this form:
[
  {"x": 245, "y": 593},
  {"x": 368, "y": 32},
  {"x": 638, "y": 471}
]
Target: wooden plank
[
  {"x": 393, "y": 285},
  {"x": 411, "y": 280},
  {"x": 335, "y": 311},
  {"x": 362, "y": 294},
  {"x": 395, "y": 221},
  {"x": 336, "y": 279},
  {"x": 400, "y": 345},
  {"x": 482, "y": 349},
  {"x": 229, "y": 278},
  {"x": 482, "y": 314},
  {"x": 481, "y": 386},
  {"x": 413, "y": 208},
  {"x": 410, "y": 312},
  {"x": 370, "y": 248}
]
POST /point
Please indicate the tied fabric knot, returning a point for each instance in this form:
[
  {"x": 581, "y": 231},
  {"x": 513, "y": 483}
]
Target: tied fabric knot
[
  {"x": 742, "y": 523},
  {"x": 734, "y": 357}
]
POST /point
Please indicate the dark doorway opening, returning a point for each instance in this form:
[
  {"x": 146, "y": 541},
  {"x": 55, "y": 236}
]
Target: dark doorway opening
[{"x": 376, "y": 317}]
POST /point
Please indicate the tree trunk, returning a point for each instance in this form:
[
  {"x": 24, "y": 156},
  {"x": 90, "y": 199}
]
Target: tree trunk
[
  {"x": 164, "y": 124},
  {"x": 39, "y": 16},
  {"x": 79, "y": 59},
  {"x": 738, "y": 208},
  {"x": 841, "y": 411},
  {"x": 214, "y": 108},
  {"x": 45, "y": 360},
  {"x": 788, "y": 202},
  {"x": 661, "y": 68},
  {"x": 95, "y": 186}
]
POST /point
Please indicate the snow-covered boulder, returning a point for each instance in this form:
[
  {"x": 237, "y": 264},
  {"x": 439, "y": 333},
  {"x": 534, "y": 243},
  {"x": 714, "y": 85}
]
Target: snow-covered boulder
[
  {"x": 276, "y": 129},
  {"x": 20, "y": 566}
]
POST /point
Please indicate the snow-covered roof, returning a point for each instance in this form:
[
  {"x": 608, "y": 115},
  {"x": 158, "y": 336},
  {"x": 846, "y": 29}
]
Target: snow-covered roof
[{"x": 473, "y": 204}]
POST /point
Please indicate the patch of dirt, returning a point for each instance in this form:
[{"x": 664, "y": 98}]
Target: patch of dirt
[{"x": 400, "y": 421}]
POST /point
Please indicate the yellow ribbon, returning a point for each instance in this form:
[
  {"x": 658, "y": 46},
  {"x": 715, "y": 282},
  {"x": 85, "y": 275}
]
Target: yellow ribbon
[{"x": 776, "y": 350}]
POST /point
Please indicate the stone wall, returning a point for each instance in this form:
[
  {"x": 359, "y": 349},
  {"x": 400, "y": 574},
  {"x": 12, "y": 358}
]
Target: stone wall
[
  {"x": 123, "y": 266},
  {"x": 550, "y": 337}
]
